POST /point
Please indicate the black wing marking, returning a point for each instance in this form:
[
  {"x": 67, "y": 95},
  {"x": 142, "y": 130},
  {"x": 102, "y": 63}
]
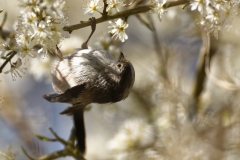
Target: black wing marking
[
  {"x": 67, "y": 96},
  {"x": 74, "y": 92}
]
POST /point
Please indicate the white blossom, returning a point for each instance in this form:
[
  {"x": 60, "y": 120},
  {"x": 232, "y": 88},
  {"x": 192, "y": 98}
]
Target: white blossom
[
  {"x": 212, "y": 15},
  {"x": 16, "y": 70},
  {"x": 41, "y": 24},
  {"x": 132, "y": 134},
  {"x": 215, "y": 15},
  {"x": 92, "y": 5},
  {"x": 118, "y": 29},
  {"x": 27, "y": 49},
  {"x": 157, "y": 7},
  {"x": 115, "y": 4},
  {"x": 197, "y": 4}
]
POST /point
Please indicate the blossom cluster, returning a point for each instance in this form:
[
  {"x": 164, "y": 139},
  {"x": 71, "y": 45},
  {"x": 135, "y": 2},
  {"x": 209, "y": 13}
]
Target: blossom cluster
[
  {"x": 38, "y": 28},
  {"x": 215, "y": 14},
  {"x": 133, "y": 133},
  {"x": 92, "y": 6},
  {"x": 118, "y": 26},
  {"x": 40, "y": 23}
]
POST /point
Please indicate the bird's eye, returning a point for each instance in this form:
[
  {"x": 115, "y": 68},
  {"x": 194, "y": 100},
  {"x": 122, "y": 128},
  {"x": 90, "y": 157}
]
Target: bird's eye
[{"x": 119, "y": 65}]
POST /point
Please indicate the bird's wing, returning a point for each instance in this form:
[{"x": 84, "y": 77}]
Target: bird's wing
[
  {"x": 74, "y": 92},
  {"x": 71, "y": 95}
]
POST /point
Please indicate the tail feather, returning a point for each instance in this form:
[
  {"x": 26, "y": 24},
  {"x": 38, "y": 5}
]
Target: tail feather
[
  {"x": 54, "y": 97},
  {"x": 78, "y": 119},
  {"x": 71, "y": 110},
  {"x": 51, "y": 97}
]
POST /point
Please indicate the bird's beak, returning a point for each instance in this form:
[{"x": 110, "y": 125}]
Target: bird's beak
[{"x": 121, "y": 58}]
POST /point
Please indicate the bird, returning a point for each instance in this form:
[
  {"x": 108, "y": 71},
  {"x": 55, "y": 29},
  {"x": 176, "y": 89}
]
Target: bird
[{"x": 89, "y": 76}]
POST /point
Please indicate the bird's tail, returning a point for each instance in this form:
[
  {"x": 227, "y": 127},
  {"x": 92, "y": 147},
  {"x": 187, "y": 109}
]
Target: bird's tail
[
  {"x": 77, "y": 112},
  {"x": 78, "y": 119},
  {"x": 54, "y": 97}
]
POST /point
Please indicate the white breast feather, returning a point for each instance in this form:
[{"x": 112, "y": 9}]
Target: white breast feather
[{"x": 77, "y": 68}]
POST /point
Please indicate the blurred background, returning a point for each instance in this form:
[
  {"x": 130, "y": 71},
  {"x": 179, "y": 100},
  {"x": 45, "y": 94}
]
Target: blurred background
[{"x": 159, "y": 119}]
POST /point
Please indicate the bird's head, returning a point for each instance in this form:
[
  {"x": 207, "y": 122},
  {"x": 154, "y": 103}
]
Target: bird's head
[{"x": 126, "y": 75}]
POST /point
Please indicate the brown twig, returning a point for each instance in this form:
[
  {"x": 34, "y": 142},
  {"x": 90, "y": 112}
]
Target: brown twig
[
  {"x": 4, "y": 20},
  {"x": 105, "y": 5},
  {"x": 108, "y": 18},
  {"x": 200, "y": 75},
  {"x": 139, "y": 17},
  {"x": 217, "y": 81},
  {"x": 123, "y": 14},
  {"x": 175, "y": 3},
  {"x": 7, "y": 60},
  {"x": 205, "y": 55},
  {"x": 26, "y": 154},
  {"x": 70, "y": 148}
]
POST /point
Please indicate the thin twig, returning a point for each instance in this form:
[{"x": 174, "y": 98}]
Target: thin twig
[
  {"x": 70, "y": 148},
  {"x": 26, "y": 154},
  {"x": 57, "y": 154},
  {"x": 159, "y": 50},
  {"x": 43, "y": 138},
  {"x": 219, "y": 82},
  {"x": 58, "y": 138},
  {"x": 139, "y": 17},
  {"x": 7, "y": 60},
  {"x": 198, "y": 85},
  {"x": 105, "y": 5},
  {"x": 123, "y": 14},
  {"x": 4, "y": 20},
  {"x": 157, "y": 44},
  {"x": 200, "y": 74},
  {"x": 72, "y": 136},
  {"x": 175, "y": 3},
  {"x": 107, "y": 18}
]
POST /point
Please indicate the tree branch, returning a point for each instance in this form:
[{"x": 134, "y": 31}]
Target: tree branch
[
  {"x": 208, "y": 51},
  {"x": 7, "y": 60},
  {"x": 108, "y": 17},
  {"x": 175, "y": 3},
  {"x": 105, "y": 8},
  {"x": 123, "y": 14},
  {"x": 54, "y": 155},
  {"x": 70, "y": 148}
]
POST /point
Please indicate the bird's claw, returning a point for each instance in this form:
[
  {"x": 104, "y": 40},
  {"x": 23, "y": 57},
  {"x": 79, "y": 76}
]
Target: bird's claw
[{"x": 93, "y": 27}]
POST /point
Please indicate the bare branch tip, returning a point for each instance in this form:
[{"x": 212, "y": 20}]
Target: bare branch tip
[{"x": 26, "y": 154}]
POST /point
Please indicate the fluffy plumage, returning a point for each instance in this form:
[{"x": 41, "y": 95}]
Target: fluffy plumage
[{"x": 91, "y": 76}]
